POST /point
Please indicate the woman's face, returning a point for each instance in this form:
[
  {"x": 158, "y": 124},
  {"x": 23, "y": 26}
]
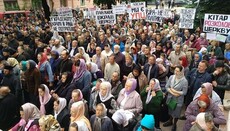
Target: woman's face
[
  {"x": 128, "y": 85},
  {"x": 28, "y": 65},
  {"x": 39, "y": 57},
  {"x": 203, "y": 90},
  {"x": 103, "y": 90},
  {"x": 41, "y": 92},
  {"x": 177, "y": 71},
  {"x": 22, "y": 114},
  {"x": 56, "y": 106},
  {"x": 63, "y": 78},
  {"x": 180, "y": 62},
  {"x": 152, "y": 84},
  {"x": 42, "y": 127},
  {"x": 99, "y": 110},
  {"x": 192, "y": 37},
  {"x": 75, "y": 96},
  {"x": 136, "y": 72},
  {"x": 196, "y": 57}
]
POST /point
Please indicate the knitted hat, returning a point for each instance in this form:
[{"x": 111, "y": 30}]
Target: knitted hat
[{"x": 148, "y": 121}]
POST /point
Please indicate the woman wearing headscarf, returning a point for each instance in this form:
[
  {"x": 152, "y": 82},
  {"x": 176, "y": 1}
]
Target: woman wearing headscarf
[
  {"x": 106, "y": 98},
  {"x": 14, "y": 63},
  {"x": 45, "y": 69},
  {"x": 128, "y": 66},
  {"x": 33, "y": 81},
  {"x": 100, "y": 121},
  {"x": 195, "y": 60},
  {"x": 61, "y": 114},
  {"x": 29, "y": 118},
  {"x": 203, "y": 104},
  {"x": 152, "y": 97},
  {"x": 81, "y": 51},
  {"x": 207, "y": 88},
  {"x": 204, "y": 122},
  {"x": 77, "y": 115},
  {"x": 45, "y": 99},
  {"x": 184, "y": 63},
  {"x": 193, "y": 43},
  {"x": 59, "y": 37},
  {"x": 49, "y": 123},
  {"x": 176, "y": 88},
  {"x": 63, "y": 88},
  {"x": 140, "y": 77},
  {"x": 94, "y": 70},
  {"x": 129, "y": 99},
  {"x": 82, "y": 79}
]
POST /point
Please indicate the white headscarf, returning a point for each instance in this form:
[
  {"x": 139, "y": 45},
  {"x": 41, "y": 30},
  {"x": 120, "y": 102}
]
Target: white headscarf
[
  {"x": 108, "y": 93},
  {"x": 156, "y": 88},
  {"x": 62, "y": 105}
]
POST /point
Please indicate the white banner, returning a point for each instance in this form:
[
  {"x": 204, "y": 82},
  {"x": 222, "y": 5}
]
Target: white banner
[
  {"x": 187, "y": 18},
  {"x": 89, "y": 13},
  {"x": 64, "y": 11},
  {"x": 62, "y": 23},
  {"x": 137, "y": 11},
  {"x": 154, "y": 15},
  {"x": 119, "y": 9},
  {"x": 105, "y": 17},
  {"x": 218, "y": 23}
]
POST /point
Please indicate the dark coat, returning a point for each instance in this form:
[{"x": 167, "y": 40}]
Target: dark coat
[
  {"x": 63, "y": 119},
  {"x": 49, "y": 106},
  {"x": 64, "y": 66},
  {"x": 33, "y": 81},
  {"x": 13, "y": 83},
  {"x": 106, "y": 123},
  {"x": 223, "y": 83},
  {"x": 9, "y": 112},
  {"x": 154, "y": 70}
]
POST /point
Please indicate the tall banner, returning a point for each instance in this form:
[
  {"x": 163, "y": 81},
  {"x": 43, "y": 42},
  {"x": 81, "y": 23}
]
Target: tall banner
[
  {"x": 187, "y": 17},
  {"x": 218, "y": 23},
  {"x": 105, "y": 17},
  {"x": 137, "y": 11}
]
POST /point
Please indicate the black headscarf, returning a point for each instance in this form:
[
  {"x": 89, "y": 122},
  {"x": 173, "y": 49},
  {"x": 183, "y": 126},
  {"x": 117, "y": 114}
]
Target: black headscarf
[
  {"x": 32, "y": 65},
  {"x": 138, "y": 68}
]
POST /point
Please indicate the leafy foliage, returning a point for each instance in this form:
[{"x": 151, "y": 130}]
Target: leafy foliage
[{"x": 209, "y": 6}]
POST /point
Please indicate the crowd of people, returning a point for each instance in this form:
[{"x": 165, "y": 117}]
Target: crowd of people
[{"x": 128, "y": 76}]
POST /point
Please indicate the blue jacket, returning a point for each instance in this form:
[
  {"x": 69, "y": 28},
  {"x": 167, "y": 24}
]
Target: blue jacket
[
  {"x": 196, "y": 79},
  {"x": 122, "y": 46}
]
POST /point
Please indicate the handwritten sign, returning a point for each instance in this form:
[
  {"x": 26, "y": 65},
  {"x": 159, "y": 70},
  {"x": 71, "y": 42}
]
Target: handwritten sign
[
  {"x": 64, "y": 11},
  {"x": 137, "y": 11},
  {"x": 89, "y": 13},
  {"x": 119, "y": 9},
  {"x": 217, "y": 23},
  {"x": 187, "y": 18},
  {"x": 62, "y": 23},
  {"x": 105, "y": 17}
]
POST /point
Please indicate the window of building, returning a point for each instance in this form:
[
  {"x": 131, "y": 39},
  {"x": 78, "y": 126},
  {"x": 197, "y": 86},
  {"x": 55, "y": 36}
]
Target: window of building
[
  {"x": 11, "y": 5},
  {"x": 82, "y": 2},
  {"x": 63, "y": 3}
]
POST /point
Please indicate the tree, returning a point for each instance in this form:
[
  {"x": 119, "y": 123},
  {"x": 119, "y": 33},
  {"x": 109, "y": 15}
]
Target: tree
[
  {"x": 209, "y": 6},
  {"x": 46, "y": 9},
  {"x": 109, "y": 3}
]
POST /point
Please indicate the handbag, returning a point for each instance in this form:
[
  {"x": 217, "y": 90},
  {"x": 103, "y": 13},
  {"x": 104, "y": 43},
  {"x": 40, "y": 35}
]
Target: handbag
[{"x": 172, "y": 104}]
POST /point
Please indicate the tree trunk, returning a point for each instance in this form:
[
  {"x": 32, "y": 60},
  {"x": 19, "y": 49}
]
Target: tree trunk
[{"x": 46, "y": 9}]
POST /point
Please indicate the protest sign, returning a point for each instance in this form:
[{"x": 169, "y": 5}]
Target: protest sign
[
  {"x": 221, "y": 38},
  {"x": 154, "y": 15},
  {"x": 211, "y": 36},
  {"x": 119, "y": 9},
  {"x": 137, "y": 11},
  {"x": 105, "y": 17},
  {"x": 218, "y": 23},
  {"x": 64, "y": 11},
  {"x": 89, "y": 13},
  {"x": 187, "y": 18},
  {"x": 62, "y": 23}
]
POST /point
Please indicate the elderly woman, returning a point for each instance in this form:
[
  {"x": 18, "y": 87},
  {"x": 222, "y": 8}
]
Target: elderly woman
[
  {"x": 106, "y": 98},
  {"x": 81, "y": 51},
  {"x": 203, "y": 104},
  {"x": 14, "y": 63},
  {"x": 94, "y": 70},
  {"x": 99, "y": 121},
  {"x": 140, "y": 77},
  {"x": 207, "y": 88},
  {"x": 61, "y": 114},
  {"x": 204, "y": 122},
  {"x": 129, "y": 101},
  {"x": 45, "y": 99},
  {"x": 82, "y": 79},
  {"x": 77, "y": 112},
  {"x": 176, "y": 87},
  {"x": 152, "y": 97},
  {"x": 48, "y": 123},
  {"x": 29, "y": 118}
]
